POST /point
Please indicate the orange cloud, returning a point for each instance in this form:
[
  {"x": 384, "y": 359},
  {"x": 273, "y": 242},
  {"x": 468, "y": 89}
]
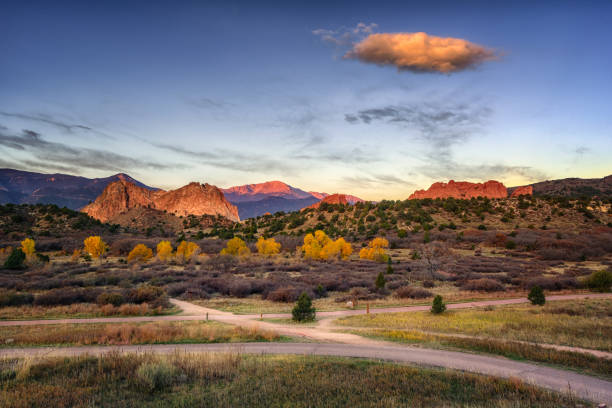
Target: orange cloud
[{"x": 420, "y": 52}]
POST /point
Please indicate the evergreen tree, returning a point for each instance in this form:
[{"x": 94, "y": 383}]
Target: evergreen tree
[
  {"x": 15, "y": 259},
  {"x": 389, "y": 267},
  {"x": 303, "y": 310},
  {"x": 536, "y": 296},
  {"x": 380, "y": 281},
  {"x": 438, "y": 305}
]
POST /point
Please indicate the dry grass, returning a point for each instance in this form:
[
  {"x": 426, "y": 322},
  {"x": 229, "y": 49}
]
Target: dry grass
[
  {"x": 232, "y": 380},
  {"x": 130, "y": 333},
  {"x": 580, "y": 323},
  {"x": 80, "y": 310}
]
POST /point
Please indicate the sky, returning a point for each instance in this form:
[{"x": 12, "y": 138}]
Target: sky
[{"x": 374, "y": 99}]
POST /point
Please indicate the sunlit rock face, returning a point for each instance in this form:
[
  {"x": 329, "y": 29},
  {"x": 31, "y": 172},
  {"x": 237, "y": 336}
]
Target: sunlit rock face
[{"x": 462, "y": 189}]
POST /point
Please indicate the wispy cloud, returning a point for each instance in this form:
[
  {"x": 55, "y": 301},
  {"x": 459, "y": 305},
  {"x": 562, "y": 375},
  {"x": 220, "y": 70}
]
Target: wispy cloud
[
  {"x": 63, "y": 157},
  {"x": 344, "y": 36},
  {"x": 56, "y": 122}
]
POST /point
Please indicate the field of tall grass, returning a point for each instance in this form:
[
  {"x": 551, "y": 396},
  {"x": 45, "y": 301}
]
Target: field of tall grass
[
  {"x": 233, "y": 380},
  {"x": 580, "y": 323},
  {"x": 80, "y": 310},
  {"x": 131, "y": 333}
]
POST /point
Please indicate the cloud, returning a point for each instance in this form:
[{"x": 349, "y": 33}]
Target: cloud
[
  {"x": 440, "y": 125},
  {"x": 345, "y": 36},
  {"x": 208, "y": 103},
  {"x": 375, "y": 180},
  {"x": 50, "y": 120},
  {"x": 61, "y": 157},
  {"x": 420, "y": 52},
  {"x": 231, "y": 160}
]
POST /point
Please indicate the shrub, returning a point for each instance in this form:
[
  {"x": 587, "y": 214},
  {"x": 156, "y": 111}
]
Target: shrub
[
  {"x": 164, "y": 251},
  {"x": 320, "y": 246},
  {"x": 140, "y": 253},
  {"x": 28, "y": 246},
  {"x": 380, "y": 281},
  {"x": 412, "y": 293},
  {"x": 438, "y": 305},
  {"x": 536, "y": 296},
  {"x": 389, "y": 267},
  {"x": 115, "y": 299},
  {"x": 375, "y": 251},
  {"x": 156, "y": 376},
  {"x": 267, "y": 247},
  {"x": 428, "y": 284},
  {"x": 186, "y": 250},
  {"x": 145, "y": 293},
  {"x": 303, "y": 310},
  {"x": 95, "y": 247},
  {"x": 286, "y": 294},
  {"x": 15, "y": 259},
  {"x": 236, "y": 247},
  {"x": 484, "y": 284},
  {"x": 599, "y": 281},
  {"x": 15, "y": 299}
]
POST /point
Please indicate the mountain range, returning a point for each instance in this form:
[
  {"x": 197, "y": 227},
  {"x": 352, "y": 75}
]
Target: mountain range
[{"x": 251, "y": 200}]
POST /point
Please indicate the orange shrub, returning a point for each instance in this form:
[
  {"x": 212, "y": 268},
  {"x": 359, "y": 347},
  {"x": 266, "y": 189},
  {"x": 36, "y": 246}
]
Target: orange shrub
[
  {"x": 375, "y": 251},
  {"x": 140, "y": 253}
]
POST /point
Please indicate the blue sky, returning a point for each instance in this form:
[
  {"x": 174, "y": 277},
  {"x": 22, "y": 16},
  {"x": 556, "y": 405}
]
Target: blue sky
[{"x": 231, "y": 93}]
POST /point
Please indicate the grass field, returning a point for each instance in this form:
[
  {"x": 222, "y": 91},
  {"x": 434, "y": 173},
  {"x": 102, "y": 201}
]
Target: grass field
[
  {"x": 579, "y": 323},
  {"x": 130, "y": 333},
  {"x": 80, "y": 310},
  {"x": 255, "y": 305},
  {"x": 232, "y": 380}
]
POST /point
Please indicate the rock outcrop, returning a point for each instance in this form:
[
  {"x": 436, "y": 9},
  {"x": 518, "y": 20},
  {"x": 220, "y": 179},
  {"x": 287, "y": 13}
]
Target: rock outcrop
[
  {"x": 462, "y": 190},
  {"x": 523, "y": 190},
  {"x": 192, "y": 199},
  {"x": 337, "y": 199}
]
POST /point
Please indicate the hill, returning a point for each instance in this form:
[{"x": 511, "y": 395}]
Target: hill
[
  {"x": 63, "y": 190},
  {"x": 573, "y": 187}
]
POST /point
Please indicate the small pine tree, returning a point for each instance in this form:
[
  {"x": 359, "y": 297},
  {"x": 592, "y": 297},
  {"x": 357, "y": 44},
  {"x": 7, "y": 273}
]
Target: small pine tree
[
  {"x": 303, "y": 310},
  {"x": 536, "y": 296},
  {"x": 380, "y": 281},
  {"x": 15, "y": 259},
  {"x": 389, "y": 267},
  {"x": 438, "y": 305}
]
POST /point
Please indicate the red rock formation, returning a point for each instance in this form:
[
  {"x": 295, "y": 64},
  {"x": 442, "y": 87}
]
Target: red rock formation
[
  {"x": 194, "y": 198},
  {"x": 523, "y": 190},
  {"x": 337, "y": 199},
  {"x": 462, "y": 189}
]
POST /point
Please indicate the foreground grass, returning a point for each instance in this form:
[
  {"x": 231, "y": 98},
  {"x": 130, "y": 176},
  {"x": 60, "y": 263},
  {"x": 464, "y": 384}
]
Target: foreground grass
[
  {"x": 131, "y": 333},
  {"x": 579, "y": 323},
  {"x": 584, "y": 363},
  {"x": 80, "y": 311},
  {"x": 232, "y": 380}
]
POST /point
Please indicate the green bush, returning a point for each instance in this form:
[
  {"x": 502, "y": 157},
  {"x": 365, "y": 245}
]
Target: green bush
[
  {"x": 15, "y": 299},
  {"x": 599, "y": 281},
  {"x": 15, "y": 259},
  {"x": 536, "y": 296},
  {"x": 303, "y": 310},
  {"x": 438, "y": 305},
  {"x": 115, "y": 299},
  {"x": 156, "y": 376},
  {"x": 380, "y": 281}
]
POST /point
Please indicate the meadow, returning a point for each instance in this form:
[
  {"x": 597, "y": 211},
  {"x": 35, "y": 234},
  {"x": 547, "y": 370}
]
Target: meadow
[{"x": 231, "y": 380}]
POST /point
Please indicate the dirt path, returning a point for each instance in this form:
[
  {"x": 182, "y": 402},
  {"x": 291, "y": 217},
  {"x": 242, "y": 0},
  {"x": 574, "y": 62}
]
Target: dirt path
[
  {"x": 194, "y": 312},
  {"x": 594, "y": 389}
]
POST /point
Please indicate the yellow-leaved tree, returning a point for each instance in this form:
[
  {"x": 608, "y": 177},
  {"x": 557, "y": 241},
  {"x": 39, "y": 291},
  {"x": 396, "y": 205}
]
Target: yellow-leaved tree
[
  {"x": 140, "y": 253},
  {"x": 236, "y": 247},
  {"x": 268, "y": 247},
  {"x": 375, "y": 251},
  {"x": 164, "y": 251},
  {"x": 320, "y": 246},
  {"x": 186, "y": 250},
  {"x": 94, "y": 246},
  {"x": 28, "y": 247}
]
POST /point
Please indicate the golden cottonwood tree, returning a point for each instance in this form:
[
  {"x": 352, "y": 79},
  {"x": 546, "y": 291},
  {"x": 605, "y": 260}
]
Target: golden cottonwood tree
[
  {"x": 320, "y": 246},
  {"x": 164, "y": 251},
  {"x": 375, "y": 251},
  {"x": 140, "y": 253},
  {"x": 94, "y": 246},
  {"x": 28, "y": 247},
  {"x": 186, "y": 250},
  {"x": 236, "y": 247},
  {"x": 268, "y": 246}
]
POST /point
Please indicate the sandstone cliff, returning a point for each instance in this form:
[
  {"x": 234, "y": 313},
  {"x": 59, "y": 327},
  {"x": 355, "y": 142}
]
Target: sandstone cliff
[
  {"x": 463, "y": 190},
  {"x": 194, "y": 198},
  {"x": 523, "y": 190},
  {"x": 337, "y": 199}
]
